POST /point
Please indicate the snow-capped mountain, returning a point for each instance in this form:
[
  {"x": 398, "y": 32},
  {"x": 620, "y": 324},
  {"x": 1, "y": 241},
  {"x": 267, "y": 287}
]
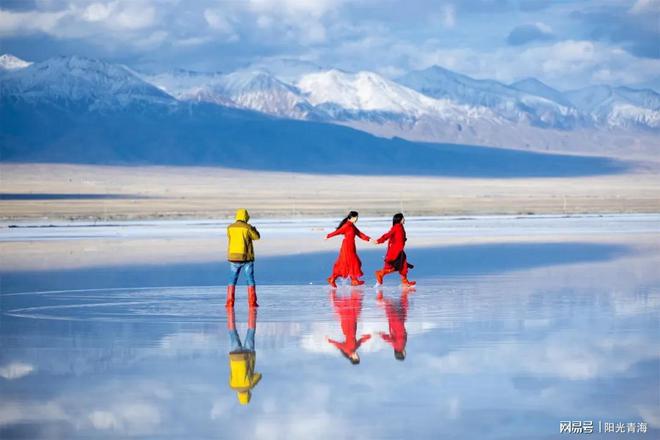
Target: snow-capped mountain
[
  {"x": 618, "y": 106},
  {"x": 250, "y": 89},
  {"x": 80, "y": 81},
  {"x": 434, "y": 105},
  {"x": 533, "y": 86},
  {"x": 353, "y": 95},
  {"x": 512, "y": 104},
  {"x": 10, "y": 62}
]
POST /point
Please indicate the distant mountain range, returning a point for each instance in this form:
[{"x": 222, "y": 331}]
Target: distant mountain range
[
  {"x": 434, "y": 104},
  {"x": 81, "y": 110}
]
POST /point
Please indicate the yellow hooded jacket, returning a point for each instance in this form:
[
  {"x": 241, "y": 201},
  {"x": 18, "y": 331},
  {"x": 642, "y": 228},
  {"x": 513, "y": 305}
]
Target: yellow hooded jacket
[
  {"x": 240, "y": 235},
  {"x": 242, "y": 377}
]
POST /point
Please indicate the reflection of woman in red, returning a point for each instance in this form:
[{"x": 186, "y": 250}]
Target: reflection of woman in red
[
  {"x": 397, "y": 312},
  {"x": 348, "y": 264},
  {"x": 348, "y": 308},
  {"x": 395, "y": 259}
]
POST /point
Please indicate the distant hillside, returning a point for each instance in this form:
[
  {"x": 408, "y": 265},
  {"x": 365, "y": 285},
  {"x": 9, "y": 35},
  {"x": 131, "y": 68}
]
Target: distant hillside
[{"x": 77, "y": 110}]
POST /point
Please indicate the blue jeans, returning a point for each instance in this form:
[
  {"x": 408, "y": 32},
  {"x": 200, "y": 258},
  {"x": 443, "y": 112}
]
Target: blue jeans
[
  {"x": 235, "y": 340},
  {"x": 235, "y": 270}
]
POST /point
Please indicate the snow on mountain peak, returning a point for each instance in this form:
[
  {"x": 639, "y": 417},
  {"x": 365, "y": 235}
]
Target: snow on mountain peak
[
  {"x": 533, "y": 86},
  {"x": 368, "y": 91},
  {"x": 80, "y": 79},
  {"x": 10, "y": 62}
]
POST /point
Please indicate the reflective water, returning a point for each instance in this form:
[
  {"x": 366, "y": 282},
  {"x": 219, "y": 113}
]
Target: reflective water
[{"x": 499, "y": 340}]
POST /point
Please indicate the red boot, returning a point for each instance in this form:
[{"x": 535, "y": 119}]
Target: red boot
[
  {"x": 331, "y": 281},
  {"x": 252, "y": 296},
  {"x": 231, "y": 293},
  {"x": 252, "y": 318},
  {"x": 231, "y": 319},
  {"x": 406, "y": 282},
  {"x": 356, "y": 282}
]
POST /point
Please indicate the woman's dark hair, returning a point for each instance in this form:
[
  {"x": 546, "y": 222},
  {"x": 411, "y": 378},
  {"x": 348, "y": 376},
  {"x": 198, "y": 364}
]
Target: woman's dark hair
[
  {"x": 355, "y": 361},
  {"x": 350, "y": 215},
  {"x": 398, "y": 217}
]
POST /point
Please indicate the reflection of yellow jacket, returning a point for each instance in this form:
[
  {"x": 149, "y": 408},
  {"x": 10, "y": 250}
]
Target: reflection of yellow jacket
[
  {"x": 239, "y": 236},
  {"x": 242, "y": 377}
]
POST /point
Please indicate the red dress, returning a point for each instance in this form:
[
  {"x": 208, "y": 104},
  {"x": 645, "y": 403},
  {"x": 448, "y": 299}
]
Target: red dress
[
  {"x": 348, "y": 264},
  {"x": 395, "y": 258},
  {"x": 397, "y": 313},
  {"x": 348, "y": 309}
]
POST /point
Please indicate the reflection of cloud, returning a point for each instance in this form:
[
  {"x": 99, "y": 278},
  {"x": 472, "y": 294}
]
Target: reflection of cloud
[
  {"x": 189, "y": 341},
  {"x": 15, "y": 370},
  {"x": 103, "y": 420},
  {"x": 314, "y": 340},
  {"x": 306, "y": 425},
  {"x": 304, "y": 415},
  {"x": 625, "y": 307},
  {"x": 14, "y": 412},
  {"x": 650, "y": 415},
  {"x": 134, "y": 418},
  {"x": 220, "y": 408},
  {"x": 566, "y": 355}
]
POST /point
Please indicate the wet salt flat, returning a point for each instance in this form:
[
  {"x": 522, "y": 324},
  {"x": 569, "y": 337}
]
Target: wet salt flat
[{"x": 504, "y": 339}]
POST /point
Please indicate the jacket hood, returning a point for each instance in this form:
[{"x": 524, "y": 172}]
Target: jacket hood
[{"x": 242, "y": 215}]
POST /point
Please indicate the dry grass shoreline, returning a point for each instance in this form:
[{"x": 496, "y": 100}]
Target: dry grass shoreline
[{"x": 161, "y": 192}]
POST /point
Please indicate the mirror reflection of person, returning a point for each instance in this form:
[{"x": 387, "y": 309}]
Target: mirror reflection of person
[
  {"x": 397, "y": 313},
  {"x": 348, "y": 309},
  {"x": 242, "y": 357}
]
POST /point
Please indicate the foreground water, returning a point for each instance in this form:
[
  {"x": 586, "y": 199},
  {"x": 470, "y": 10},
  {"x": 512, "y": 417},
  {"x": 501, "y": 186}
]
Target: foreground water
[{"x": 509, "y": 339}]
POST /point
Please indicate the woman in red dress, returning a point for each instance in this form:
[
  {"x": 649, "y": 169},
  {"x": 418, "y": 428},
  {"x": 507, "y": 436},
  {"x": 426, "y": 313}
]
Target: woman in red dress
[
  {"x": 348, "y": 264},
  {"x": 397, "y": 312},
  {"x": 348, "y": 310},
  {"x": 395, "y": 258}
]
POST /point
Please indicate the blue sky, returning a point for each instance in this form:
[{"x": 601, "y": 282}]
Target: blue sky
[{"x": 565, "y": 43}]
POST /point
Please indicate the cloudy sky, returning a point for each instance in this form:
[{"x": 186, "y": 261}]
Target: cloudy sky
[{"x": 565, "y": 43}]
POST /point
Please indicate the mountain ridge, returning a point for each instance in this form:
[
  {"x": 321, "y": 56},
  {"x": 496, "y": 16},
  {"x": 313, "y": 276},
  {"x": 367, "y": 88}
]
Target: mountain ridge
[{"x": 433, "y": 104}]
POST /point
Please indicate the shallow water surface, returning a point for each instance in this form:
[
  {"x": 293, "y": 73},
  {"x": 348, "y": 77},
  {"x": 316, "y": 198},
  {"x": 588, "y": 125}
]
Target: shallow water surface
[{"x": 499, "y": 340}]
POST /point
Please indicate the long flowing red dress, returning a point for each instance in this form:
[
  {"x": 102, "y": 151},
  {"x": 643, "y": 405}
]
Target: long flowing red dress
[
  {"x": 348, "y": 264},
  {"x": 395, "y": 258},
  {"x": 348, "y": 310},
  {"x": 397, "y": 313}
]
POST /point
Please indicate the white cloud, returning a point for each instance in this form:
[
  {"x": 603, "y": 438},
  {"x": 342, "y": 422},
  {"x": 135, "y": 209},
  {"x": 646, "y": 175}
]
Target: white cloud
[
  {"x": 646, "y": 7},
  {"x": 96, "y": 12},
  {"x": 15, "y": 370},
  {"x": 297, "y": 20},
  {"x": 133, "y": 15},
  {"x": 449, "y": 16},
  {"x": 152, "y": 40},
  {"x": 22, "y": 23},
  {"x": 17, "y": 412},
  {"x": 562, "y": 355},
  {"x": 136, "y": 418},
  {"x": 294, "y": 8},
  {"x": 543, "y": 27},
  {"x": 218, "y": 21}
]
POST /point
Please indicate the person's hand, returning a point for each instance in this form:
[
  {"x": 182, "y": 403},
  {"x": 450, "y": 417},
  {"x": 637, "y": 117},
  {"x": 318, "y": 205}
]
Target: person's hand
[
  {"x": 326, "y": 238},
  {"x": 373, "y": 241}
]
